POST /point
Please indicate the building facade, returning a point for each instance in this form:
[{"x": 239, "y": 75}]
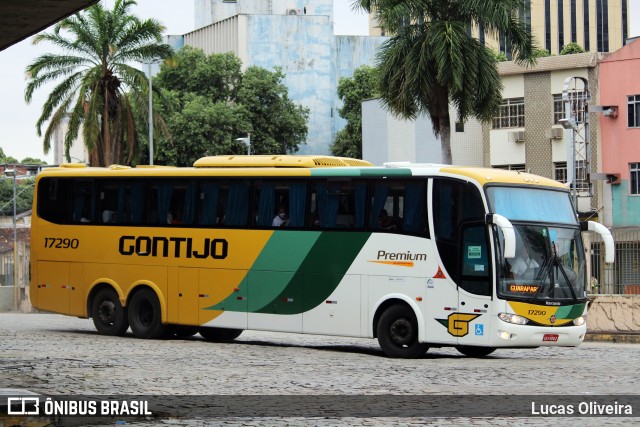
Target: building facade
[
  {"x": 388, "y": 138},
  {"x": 596, "y": 25},
  {"x": 619, "y": 99},
  {"x": 296, "y": 36},
  {"x": 528, "y": 133}
]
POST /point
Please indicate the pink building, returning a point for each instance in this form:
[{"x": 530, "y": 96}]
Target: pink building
[{"x": 619, "y": 95}]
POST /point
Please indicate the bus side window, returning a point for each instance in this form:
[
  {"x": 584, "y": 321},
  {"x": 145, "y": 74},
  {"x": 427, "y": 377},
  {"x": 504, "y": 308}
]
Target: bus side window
[
  {"x": 237, "y": 203},
  {"x": 337, "y": 203},
  {"x": 454, "y": 204},
  {"x": 285, "y": 199},
  {"x": 53, "y": 199},
  {"x": 475, "y": 260},
  {"x": 399, "y": 206},
  {"x": 108, "y": 197},
  {"x": 211, "y": 212},
  {"x": 84, "y": 204}
]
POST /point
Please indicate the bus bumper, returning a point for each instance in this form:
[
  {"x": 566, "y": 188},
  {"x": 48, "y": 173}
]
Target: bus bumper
[{"x": 508, "y": 335}]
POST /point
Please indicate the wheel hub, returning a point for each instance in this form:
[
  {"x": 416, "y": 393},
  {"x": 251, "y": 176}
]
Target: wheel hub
[
  {"x": 107, "y": 312},
  {"x": 402, "y": 332}
]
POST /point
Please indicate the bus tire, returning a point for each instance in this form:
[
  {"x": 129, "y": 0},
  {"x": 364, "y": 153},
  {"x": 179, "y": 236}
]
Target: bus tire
[
  {"x": 398, "y": 333},
  {"x": 219, "y": 334},
  {"x": 145, "y": 315},
  {"x": 474, "y": 351},
  {"x": 109, "y": 316}
]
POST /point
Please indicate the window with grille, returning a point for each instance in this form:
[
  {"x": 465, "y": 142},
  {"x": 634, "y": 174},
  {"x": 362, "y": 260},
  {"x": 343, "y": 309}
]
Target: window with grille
[
  {"x": 560, "y": 172},
  {"x": 633, "y": 105},
  {"x": 577, "y": 107},
  {"x": 510, "y": 115},
  {"x": 634, "y": 178}
]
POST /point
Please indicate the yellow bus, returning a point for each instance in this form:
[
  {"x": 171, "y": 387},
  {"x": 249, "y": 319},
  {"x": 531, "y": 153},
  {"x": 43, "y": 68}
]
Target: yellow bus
[{"x": 414, "y": 255}]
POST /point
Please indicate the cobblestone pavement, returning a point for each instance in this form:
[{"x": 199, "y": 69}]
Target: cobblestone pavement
[{"x": 58, "y": 355}]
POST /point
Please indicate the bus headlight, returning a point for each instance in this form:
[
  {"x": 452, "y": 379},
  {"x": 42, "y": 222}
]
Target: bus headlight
[
  {"x": 513, "y": 318},
  {"x": 580, "y": 321}
]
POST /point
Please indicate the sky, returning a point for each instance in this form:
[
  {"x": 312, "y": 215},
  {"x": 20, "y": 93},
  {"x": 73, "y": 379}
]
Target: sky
[{"x": 18, "y": 137}]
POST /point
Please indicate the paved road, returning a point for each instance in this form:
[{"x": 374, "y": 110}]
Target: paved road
[{"x": 58, "y": 355}]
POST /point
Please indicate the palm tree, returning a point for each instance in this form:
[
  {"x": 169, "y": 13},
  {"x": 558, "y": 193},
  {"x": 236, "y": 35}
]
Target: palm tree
[
  {"x": 432, "y": 59},
  {"x": 98, "y": 86}
]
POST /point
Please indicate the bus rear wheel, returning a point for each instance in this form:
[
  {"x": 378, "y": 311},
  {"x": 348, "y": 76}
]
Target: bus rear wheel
[
  {"x": 145, "y": 315},
  {"x": 398, "y": 333},
  {"x": 219, "y": 334},
  {"x": 474, "y": 351},
  {"x": 109, "y": 316}
]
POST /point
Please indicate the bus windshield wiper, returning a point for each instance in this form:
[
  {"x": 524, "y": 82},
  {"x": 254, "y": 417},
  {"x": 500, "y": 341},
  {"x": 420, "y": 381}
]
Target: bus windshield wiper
[{"x": 560, "y": 266}]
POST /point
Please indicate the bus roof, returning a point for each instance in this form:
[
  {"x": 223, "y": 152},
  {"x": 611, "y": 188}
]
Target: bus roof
[
  {"x": 294, "y": 165},
  {"x": 287, "y": 161}
]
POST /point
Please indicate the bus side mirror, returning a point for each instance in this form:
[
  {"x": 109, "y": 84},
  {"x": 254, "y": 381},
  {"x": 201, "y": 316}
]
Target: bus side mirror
[
  {"x": 508, "y": 232},
  {"x": 607, "y": 238}
]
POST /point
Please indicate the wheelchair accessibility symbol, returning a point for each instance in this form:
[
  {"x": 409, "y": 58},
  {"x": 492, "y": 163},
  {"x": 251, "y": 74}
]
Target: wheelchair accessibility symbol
[{"x": 480, "y": 329}]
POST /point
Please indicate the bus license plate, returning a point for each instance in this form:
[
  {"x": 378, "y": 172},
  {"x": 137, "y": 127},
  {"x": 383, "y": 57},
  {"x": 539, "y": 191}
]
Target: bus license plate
[{"x": 550, "y": 337}]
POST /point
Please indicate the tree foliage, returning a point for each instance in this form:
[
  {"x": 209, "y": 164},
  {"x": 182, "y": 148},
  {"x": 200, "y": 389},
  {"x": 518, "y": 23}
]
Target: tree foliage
[
  {"x": 26, "y": 161},
  {"x": 541, "y": 53},
  {"x": 7, "y": 159},
  {"x": 97, "y": 85},
  {"x": 24, "y": 195},
  {"x": 209, "y": 102},
  {"x": 352, "y": 91},
  {"x": 499, "y": 56},
  {"x": 571, "y": 48},
  {"x": 432, "y": 59}
]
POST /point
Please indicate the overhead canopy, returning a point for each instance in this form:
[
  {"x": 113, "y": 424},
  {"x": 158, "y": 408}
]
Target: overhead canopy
[{"x": 23, "y": 18}]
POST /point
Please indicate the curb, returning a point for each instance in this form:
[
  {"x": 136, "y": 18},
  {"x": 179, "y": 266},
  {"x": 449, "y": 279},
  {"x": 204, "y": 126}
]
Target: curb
[{"x": 616, "y": 337}]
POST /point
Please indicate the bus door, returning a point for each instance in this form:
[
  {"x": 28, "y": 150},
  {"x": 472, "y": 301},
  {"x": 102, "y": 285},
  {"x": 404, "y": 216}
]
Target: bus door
[
  {"x": 462, "y": 245},
  {"x": 474, "y": 286}
]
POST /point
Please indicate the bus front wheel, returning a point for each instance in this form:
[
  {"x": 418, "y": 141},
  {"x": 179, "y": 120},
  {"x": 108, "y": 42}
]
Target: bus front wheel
[
  {"x": 145, "y": 315},
  {"x": 109, "y": 316},
  {"x": 473, "y": 351},
  {"x": 219, "y": 334},
  {"x": 398, "y": 333}
]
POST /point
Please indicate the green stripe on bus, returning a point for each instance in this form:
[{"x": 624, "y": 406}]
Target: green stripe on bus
[
  {"x": 570, "y": 311},
  {"x": 386, "y": 172},
  {"x": 272, "y": 271},
  {"x": 319, "y": 274}
]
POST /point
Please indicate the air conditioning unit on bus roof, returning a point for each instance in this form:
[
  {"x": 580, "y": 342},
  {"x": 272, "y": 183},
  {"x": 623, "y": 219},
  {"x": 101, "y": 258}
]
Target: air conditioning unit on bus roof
[
  {"x": 293, "y": 11},
  {"x": 516, "y": 136}
]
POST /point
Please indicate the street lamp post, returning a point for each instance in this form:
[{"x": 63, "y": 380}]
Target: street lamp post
[{"x": 11, "y": 173}]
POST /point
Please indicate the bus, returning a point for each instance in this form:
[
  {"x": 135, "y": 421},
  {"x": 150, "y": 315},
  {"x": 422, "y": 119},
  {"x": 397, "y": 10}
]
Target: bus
[{"x": 415, "y": 255}]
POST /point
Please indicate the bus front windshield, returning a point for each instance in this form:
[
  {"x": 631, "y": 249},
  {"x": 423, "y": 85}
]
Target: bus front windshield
[{"x": 549, "y": 265}]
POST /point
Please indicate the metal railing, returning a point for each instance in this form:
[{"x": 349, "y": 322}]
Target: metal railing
[{"x": 623, "y": 276}]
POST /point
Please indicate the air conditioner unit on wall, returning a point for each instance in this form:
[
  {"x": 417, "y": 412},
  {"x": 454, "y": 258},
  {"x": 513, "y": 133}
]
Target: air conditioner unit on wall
[
  {"x": 292, "y": 11},
  {"x": 557, "y": 133},
  {"x": 516, "y": 136}
]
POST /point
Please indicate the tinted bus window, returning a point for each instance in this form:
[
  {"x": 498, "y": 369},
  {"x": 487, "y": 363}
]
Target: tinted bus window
[
  {"x": 337, "y": 204},
  {"x": 280, "y": 203},
  {"x": 120, "y": 201},
  {"x": 53, "y": 199},
  {"x": 84, "y": 203},
  {"x": 398, "y": 206},
  {"x": 171, "y": 202}
]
